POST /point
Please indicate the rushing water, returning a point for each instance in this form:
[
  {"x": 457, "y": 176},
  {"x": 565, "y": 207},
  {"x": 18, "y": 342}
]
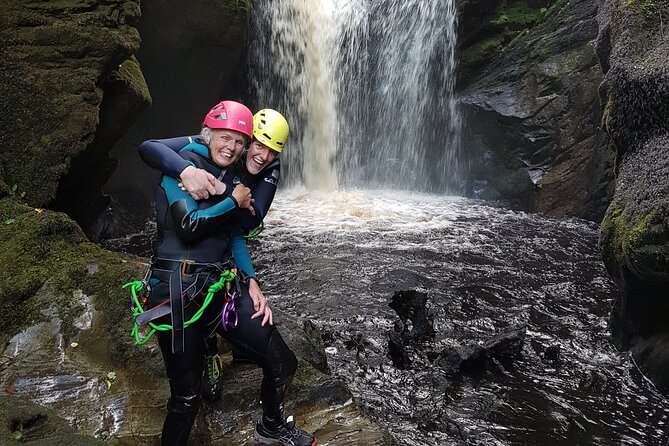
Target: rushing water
[
  {"x": 368, "y": 89},
  {"x": 338, "y": 259}
]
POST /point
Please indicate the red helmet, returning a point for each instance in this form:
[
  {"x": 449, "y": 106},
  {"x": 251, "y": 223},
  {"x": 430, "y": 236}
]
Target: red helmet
[{"x": 230, "y": 115}]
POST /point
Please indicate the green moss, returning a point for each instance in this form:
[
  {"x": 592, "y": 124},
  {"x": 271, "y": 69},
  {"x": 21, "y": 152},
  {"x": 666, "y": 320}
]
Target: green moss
[
  {"x": 649, "y": 8},
  {"x": 481, "y": 51},
  {"x": 636, "y": 234},
  {"x": 612, "y": 231},
  {"x": 520, "y": 14},
  {"x": 639, "y": 243},
  {"x": 45, "y": 255},
  {"x": 131, "y": 74}
]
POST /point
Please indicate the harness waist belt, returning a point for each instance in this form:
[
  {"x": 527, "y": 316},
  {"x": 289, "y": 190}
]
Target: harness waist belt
[{"x": 186, "y": 266}]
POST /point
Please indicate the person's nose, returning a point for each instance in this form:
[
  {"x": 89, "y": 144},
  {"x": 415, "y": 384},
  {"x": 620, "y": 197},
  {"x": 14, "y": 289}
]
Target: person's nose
[{"x": 265, "y": 154}]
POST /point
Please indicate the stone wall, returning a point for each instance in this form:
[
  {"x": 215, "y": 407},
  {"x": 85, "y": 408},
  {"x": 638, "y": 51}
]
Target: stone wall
[{"x": 633, "y": 48}]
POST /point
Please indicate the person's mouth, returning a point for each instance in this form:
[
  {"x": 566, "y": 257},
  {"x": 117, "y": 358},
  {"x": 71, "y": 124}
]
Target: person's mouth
[{"x": 258, "y": 161}]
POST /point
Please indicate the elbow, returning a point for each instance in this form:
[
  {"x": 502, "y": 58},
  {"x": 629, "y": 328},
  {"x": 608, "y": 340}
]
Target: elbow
[
  {"x": 144, "y": 151},
  {"x": 187, "y": 229}
]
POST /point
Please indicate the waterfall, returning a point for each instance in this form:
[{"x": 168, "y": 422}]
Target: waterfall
[{"x": 367, "y": 86}]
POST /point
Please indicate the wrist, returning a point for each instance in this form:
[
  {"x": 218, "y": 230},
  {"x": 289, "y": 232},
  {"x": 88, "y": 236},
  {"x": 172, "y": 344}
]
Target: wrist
[
  {"x": 186, "y": 171},
  {"x": 234, "y": 200}
]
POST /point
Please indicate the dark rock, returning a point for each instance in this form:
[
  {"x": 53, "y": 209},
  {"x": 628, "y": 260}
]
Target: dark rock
[
  {"x": 533, "y": 117},
  {"x": 411, "y": 306},
  {"x": 470, "y": 359},
  {"x": 634, "y": 239},
  {"x": 57, "y": 64},
  {"x": 507, "y": 345},
  {"x": 397, "y": 350}
]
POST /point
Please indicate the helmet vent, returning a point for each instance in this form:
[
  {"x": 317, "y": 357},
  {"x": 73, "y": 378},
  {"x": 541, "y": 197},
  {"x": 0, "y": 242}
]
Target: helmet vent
[{"x": 267, "y": 136}]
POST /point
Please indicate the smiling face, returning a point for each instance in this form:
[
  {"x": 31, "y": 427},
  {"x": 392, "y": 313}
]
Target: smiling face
[
  {"x": 225, "y": 146},
  {"x": 258, "y": 157}
]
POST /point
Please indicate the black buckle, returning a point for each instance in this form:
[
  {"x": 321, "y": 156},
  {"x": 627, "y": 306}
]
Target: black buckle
[{"x": 184, "y": 267}]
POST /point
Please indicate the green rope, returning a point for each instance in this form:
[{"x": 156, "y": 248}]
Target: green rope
[
  {"x": 255, "y": 232},
  {"x": 137, "y": 286}
]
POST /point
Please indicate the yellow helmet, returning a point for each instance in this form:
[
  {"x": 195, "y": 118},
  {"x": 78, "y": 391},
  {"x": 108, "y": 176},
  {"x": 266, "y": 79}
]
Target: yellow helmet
[{"x": 271, "y": 129}]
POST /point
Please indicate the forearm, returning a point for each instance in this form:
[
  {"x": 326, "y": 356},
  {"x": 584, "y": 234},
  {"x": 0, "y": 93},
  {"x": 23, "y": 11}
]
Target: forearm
[
  {"x": 191, "y": 222},
  {"x": 240, "y": 252},
  {"x": 163, "y": 155}
]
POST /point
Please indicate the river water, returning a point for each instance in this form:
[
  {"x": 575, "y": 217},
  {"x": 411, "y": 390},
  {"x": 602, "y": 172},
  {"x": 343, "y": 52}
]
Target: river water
[{"x": 338, "y": 258}]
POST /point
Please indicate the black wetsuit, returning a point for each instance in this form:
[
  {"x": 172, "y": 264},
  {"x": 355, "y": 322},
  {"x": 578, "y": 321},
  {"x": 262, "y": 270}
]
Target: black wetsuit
[{"x": 196, "y": 231}]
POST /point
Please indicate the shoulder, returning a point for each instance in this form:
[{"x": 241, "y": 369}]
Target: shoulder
[{"x": 272, "y": 171}]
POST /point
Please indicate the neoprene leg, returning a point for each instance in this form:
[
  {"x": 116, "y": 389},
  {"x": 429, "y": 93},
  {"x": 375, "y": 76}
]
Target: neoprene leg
[
  {"x": 182, "y": 409},
  {"x": 264, "y": 346}
]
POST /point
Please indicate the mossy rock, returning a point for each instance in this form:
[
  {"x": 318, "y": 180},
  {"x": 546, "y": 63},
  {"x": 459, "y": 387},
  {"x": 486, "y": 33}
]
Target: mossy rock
[
  {"x": 46, "y": 250},
  {"x": 56, "y": 58}
]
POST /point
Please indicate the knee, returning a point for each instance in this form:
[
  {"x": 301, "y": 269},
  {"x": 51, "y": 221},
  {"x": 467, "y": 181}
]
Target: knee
[
  {"x": 185, "y": 394},
  {"x": 282, "y": 359},
  {"x": 186, "y": 405}
]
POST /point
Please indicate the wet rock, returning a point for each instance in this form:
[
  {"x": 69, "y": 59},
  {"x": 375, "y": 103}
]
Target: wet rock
[
  {"x": 397, "y": 350},
  {"x": 507, "y": 345},
  {"x": 31, "y": 424},
  {"x": 415, "y": 325},
  {"x": 470, "y": 359},
  {"x": 304, "y": 338},
  {"x": 532, "y": 110},
  {"x": 411, "y": 306}
]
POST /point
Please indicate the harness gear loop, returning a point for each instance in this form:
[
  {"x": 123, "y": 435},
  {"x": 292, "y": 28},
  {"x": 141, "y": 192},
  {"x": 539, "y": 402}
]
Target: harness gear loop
[
  {"x": 216, "y": 365},
  {"x": 137, "y": 287}
]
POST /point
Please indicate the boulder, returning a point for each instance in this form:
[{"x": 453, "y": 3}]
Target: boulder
[
  {"x": 63, "y": 63},
  {"x": 634, "y": 240}
]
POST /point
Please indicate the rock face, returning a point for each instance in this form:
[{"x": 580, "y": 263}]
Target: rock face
[
  {"x": 634, "y": 51},
  {"x": 532, "y": 112},
  {"x": 205, "y": 63},
  {"x": 68, "y": 88}
]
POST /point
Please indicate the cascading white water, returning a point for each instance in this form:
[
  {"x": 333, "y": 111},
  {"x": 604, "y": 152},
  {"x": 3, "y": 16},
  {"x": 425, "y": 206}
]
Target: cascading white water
[{"x": 367, "y": 87}]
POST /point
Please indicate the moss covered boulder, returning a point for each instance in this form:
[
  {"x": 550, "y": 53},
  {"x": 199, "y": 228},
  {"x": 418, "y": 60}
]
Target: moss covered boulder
[
  {"x": 532, "y": 110},
  {"x": 63, "y": 65},
  {"x": 634, "y": 50}
]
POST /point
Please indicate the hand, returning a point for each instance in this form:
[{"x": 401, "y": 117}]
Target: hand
[
  {"x": 260, "y": 303},
  {"x": 199, "y": 183},
  {"x": 220, "y": 187},
  {"x": 242, "y": 195}
]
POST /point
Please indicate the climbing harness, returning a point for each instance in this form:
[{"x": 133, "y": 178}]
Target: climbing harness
[{"x": 141, "y": 315}]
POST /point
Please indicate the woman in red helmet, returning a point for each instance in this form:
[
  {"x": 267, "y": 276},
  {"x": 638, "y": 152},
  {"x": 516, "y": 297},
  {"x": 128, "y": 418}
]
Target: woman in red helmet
[{"x": 195, "y": 243}]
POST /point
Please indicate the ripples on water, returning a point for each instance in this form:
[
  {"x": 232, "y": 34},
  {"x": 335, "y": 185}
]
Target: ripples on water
[{"x": 338, "y": 258}]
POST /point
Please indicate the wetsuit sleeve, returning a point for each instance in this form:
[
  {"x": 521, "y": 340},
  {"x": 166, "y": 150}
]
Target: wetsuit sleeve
[
  {"x": 240, "y": 252},
  {"x": 191, "y": 222},
  {"x": 263, "y": 191},
  {"x": 163, "y": 154}
]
